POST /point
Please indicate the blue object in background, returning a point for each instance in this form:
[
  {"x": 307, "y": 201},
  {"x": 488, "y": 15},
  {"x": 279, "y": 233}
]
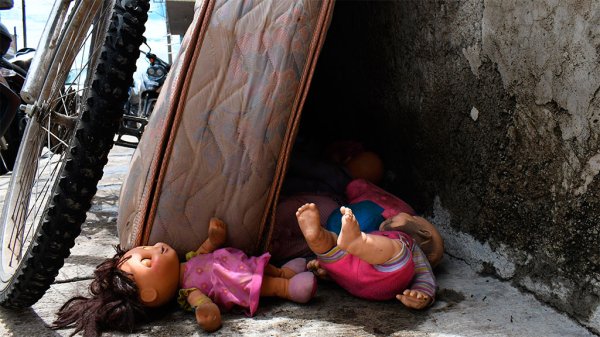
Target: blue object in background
[{"x": 367, "y": 213}]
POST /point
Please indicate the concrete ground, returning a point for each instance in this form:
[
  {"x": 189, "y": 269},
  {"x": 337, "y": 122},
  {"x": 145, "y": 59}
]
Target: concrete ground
[{"x": 468, "y": 304}]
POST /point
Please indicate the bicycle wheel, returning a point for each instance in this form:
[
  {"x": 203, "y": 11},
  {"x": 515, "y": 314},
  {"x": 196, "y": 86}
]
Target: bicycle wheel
[{"x": 65, "y": 147}]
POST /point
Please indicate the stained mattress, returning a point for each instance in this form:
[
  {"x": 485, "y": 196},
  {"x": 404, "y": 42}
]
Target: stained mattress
[{"x": 219, "y": 136}]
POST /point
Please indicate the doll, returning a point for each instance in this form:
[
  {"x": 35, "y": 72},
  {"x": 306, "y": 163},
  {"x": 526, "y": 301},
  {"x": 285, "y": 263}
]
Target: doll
[
  {"x": 377, "y": 209},
  {"x": 210, "y": 281},
  {"x": 380, "y": 265},
  {"x": 373, "y": 207},
  {"x": 323, "y": 180}
]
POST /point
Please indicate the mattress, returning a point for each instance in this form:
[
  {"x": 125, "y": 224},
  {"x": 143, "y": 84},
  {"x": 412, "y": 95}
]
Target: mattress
[{"x": 218, "y": 139}]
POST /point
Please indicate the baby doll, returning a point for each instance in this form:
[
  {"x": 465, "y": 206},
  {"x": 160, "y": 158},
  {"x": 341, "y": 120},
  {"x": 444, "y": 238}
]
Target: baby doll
[
  {"x": 210, "y": 281},
  {"x": 380, "y": 265},
  {"x": 323, "y": 181}
]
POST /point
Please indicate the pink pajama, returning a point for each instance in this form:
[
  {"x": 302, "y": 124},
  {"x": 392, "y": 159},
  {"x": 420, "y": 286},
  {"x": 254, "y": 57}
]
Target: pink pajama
[{"x": 373, "y": 282}]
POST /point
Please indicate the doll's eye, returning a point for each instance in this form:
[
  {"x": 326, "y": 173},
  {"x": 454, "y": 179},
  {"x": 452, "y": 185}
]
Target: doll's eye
[{"x": 147, "y": 262}]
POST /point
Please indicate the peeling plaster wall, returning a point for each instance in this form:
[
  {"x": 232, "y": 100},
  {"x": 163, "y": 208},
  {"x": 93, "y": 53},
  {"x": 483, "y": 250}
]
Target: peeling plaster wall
[{"x": 486, "y": 114}]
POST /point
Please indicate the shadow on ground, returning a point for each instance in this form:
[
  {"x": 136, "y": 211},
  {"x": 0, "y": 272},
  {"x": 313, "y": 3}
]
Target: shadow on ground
[{"x": 20, "y": 322}]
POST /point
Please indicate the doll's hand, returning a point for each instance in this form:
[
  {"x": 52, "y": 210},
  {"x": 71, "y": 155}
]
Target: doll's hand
[
  {"x": 208, "y": 316},
  {"x": 217, "y": 234},
  {"x": 316, "y": 269},
  {"x": 414, "y": 299}
]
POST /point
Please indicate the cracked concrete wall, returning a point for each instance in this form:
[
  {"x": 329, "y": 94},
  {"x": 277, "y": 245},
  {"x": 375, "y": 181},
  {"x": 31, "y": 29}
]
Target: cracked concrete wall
[{"x": 487, "y": 116}]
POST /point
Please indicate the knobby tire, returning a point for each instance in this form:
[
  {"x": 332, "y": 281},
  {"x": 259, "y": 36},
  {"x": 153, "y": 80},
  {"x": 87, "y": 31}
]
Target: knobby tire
[{"x": 88, "y": 154}]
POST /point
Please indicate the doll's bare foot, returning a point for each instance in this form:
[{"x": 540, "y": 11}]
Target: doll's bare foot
[
  {"x": 319, "y": 240},
  {"x": 217, "y": 234},
  {"x": 302, "y": 287},
  {"x": 315, "y": 267},
  {"x": 293, "y": 267},
  {"x": 309, "y": 220},
  {"x": 350, "y": 236},
  {"x": 208, "y": 316},
  {"x": 414, "y": 299}
]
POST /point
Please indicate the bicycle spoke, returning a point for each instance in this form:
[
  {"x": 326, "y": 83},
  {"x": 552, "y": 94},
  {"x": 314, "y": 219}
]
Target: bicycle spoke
[
  {"x": 41, "y": 197},
  {"x": 85, "y": 57},
  {"x": 48, "y": 129},
  {"x": 3, "y": 162},
  {"x": 51, "y": 134},
  {"x": 27, "y": 211},
  {"x": 16, "y": 241}
]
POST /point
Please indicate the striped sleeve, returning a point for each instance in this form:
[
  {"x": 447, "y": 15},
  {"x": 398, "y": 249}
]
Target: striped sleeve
[{"x": 424, "y": 280}]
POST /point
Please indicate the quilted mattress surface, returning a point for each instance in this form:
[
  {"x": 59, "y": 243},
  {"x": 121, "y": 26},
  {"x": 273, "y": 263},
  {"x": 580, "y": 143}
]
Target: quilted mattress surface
[{"x": 223, "y": 121}]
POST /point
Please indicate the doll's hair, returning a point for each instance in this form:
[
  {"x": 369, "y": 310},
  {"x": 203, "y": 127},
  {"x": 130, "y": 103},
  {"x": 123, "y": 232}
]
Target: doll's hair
[{"x": 114, "y": 304}]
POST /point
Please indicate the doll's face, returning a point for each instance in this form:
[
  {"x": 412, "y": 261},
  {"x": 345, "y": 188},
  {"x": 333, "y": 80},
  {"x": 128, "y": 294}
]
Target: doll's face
[{"x": 155, "y": 271}]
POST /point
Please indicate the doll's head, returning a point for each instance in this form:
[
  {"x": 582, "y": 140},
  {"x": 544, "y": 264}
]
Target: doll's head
[
  {"x": 123, "y": 287},
  {"x": 114, "y": 304},
  {"x": 424, "y": 232},
  {"x": 155, "y": 271},
  {"x": 365, "y": 165},
  {"x": 360, "y": 163}
]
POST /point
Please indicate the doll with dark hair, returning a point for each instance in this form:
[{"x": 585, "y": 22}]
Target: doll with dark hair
[
  {"x": 114, "y": 304},
  {"x": 212, "y": 280}
]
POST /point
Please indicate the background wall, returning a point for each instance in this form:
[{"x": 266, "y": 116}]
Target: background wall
[{"x": 486, "y": 114}]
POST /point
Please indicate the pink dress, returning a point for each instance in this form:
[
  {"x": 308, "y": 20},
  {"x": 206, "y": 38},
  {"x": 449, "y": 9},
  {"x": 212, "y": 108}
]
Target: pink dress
[{"x": 227, "y": 276}]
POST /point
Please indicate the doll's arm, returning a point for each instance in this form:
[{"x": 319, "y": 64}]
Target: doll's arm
[
  {"x": 217, "y": 234},
  {"x": 208, "y": 314},
  {"x": 422, "y": 291}
]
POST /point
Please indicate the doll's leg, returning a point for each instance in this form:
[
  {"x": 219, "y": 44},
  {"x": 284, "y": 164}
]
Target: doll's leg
[
  {"x": 273, "y": 286},
  {"x": 217, "y": 234},
  {"x": 374, "y": 249},
  {"x": 319, "y": 239},
  {"x": 300, "y": 288}
]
